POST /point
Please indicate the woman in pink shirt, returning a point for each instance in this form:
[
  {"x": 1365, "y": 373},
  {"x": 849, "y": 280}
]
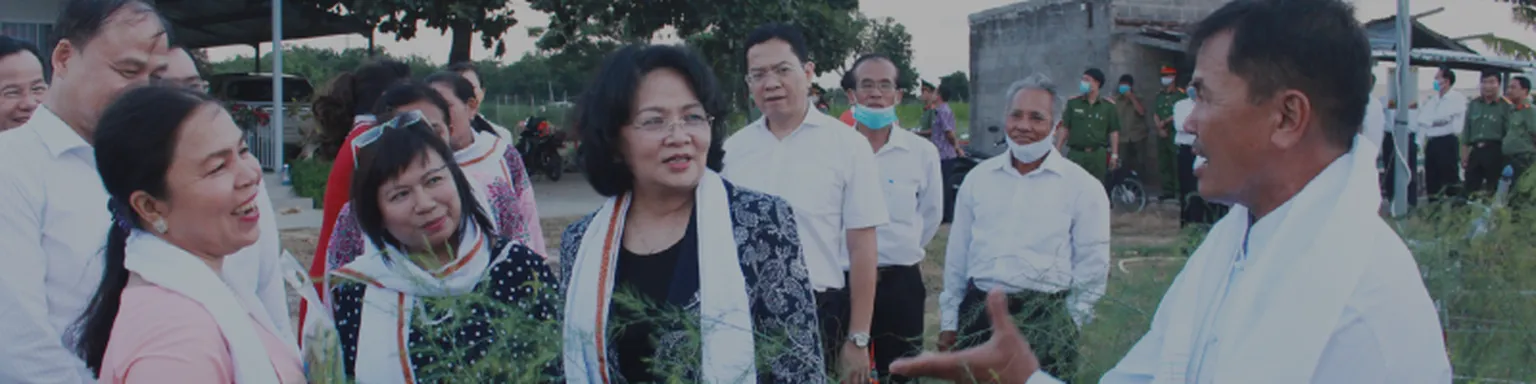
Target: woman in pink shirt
[{"x": 183, "y": 188}]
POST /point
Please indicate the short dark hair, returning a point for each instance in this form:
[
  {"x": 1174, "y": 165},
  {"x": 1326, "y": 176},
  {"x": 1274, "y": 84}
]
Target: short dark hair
[
  {"x": 463, "y": 66},
  {"x": 608, "y": 104},
  {"x": 1096, "y": 74},
  {"x": 385, "y": 158},
  {"x": 1127, "y": 79},
  {"x": 1449, "y": 75},
  {"x": 354, "y": 93},
  {"x": 81, "y": 20},
  {"x": 10, "y": 46},
  {"x": 780, "y": 31},
  {"x": 1272, "y": 51},
  {"x": 849, "y": 81},
  {"x": 945, "y": 91},
  {"x": 924, "y": 84},
  {"x": 1525, "y": 83},
  {"x": 462, "y": 89},
  {"x": 1487, "y": 74},
  {"x": 137, "y": 137},
  {"x": 406, "y": 93},
  {"x": 868, "y": 57}
]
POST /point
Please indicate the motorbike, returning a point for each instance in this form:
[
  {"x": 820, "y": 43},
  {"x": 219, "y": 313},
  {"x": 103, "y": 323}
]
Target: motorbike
[{"x": 540, "y": 150}]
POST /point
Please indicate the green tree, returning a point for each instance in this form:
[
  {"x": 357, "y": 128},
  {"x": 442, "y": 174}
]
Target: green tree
[
  {"x": 1522, "y": 12},
  {"x": 461, "y": 18},
  {"x": 959, "y": 86},
  {"x": 716, "y": 29},
  {"x": 890, "y": 38}
]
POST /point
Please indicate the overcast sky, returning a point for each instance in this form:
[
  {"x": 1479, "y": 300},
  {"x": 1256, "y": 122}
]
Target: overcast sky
[{"x": 940, "y": 33}]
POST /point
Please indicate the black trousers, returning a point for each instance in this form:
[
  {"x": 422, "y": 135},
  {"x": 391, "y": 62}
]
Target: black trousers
[
  {"x": 896, "y": 328},
  {"x": 1042, "y": 318},
  {"x": 947, "y": 171},
  {"x": 1442, "y": 167},
  {"x": 1485, "y": 164},
  {"x": 1389, "y": 185},
  {"x": 832, "y": 311},
  {"x": 1193, "y": 209}
]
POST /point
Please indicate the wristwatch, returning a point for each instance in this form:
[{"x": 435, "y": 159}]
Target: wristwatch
[{"x": 859, "y": 339}]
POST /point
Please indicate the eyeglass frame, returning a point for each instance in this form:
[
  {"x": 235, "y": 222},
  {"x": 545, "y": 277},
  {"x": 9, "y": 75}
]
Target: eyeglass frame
[
  {"x": 373, "y": 134},
  {"x": 673, "y": 124},
  {"x": 787, "y": 67}
]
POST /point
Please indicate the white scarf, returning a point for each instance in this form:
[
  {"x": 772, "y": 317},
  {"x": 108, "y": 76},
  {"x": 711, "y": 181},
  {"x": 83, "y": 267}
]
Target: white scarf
[
  {"x": 394, "y": 283},
  {"x": 485, "y": 157},
  {"x": 176, "y": 270},
  {"x": 1287, "y": 306},
  {"x": 728, "y": 353}
]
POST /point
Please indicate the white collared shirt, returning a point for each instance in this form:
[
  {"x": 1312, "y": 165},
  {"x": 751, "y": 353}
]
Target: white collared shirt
[
  {"x": 1181, "y": 111},
  {"x": 1442, "y": 115},
  {"x": 827, "y": 173},
  {"x": 914, "y": 197},
  {"x": 1375, "y": 125},
  {"x": 54, "y": 222},
  {"x": 1046, "y": 231}
]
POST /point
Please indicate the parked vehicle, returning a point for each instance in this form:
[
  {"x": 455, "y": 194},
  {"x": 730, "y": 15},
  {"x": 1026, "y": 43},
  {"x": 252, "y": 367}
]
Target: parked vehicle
[
  {"x": 540, "y": 145},
  {"x": 253, "y": 91}
]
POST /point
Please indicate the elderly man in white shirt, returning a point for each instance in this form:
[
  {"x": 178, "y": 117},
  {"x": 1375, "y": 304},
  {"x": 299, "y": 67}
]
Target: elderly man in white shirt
[
  {"x": 53, "y": 208},
  {"x": 828, "y": 174},
  {"x": 914, "y": 197},
  {"x": 1033, "y": 224},
  {"x": 1303, "y": 282},
  {"x": 1441, "y": 117}
]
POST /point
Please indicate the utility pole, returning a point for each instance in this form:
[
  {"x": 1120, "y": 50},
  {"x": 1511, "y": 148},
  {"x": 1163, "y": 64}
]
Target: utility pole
[{"x": 1403, "y": 176}]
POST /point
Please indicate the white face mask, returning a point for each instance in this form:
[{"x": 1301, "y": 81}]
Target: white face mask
[
  {"x": 1167, "y": 81},
  {"x": 1028, "y": 153}
]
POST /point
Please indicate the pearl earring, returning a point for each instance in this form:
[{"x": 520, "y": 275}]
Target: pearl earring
[{"x": 160, "y": 226}]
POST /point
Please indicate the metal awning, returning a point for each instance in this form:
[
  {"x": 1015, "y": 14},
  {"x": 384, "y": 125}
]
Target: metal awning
[
  {"x": 1156, "y": 37},
  {"x": 1431, "y": 57},
  {"x": 1383, "y": 36},
  {"x": 212, "y": 23}
]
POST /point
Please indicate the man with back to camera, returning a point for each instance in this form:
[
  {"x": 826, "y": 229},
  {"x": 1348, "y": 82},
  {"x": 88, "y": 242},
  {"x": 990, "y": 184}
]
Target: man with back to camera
[
  {"x": 1303, "y": 282},
  {"x": 829, "y": 176},
  {"x": 53, "y": 208}
]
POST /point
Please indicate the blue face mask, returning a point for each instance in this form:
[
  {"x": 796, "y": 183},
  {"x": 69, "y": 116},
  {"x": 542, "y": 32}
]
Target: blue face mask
[
  {"x": 873, "y": 118},
  {"x": 1124, "y": 89},
  {"x": 1437, "y": 85},
  {"x": 1082, "y": 86}
]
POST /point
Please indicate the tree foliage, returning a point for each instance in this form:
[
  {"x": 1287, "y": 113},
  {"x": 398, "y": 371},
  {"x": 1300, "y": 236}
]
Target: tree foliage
[
  {"x": 716, "y": 29},
  {"x": 890, "y": 38},
  {"x": 461, "y": 18},
  {"x": 1522, "y": 12},
  {"x": 959, "y": 86}
]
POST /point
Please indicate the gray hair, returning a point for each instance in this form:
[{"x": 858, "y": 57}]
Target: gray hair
[{"x": 1037, "y": 81}]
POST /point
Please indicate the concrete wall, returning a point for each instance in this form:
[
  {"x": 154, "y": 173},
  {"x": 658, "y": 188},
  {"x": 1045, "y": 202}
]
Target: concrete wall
[
  {"x": 1165, "y": 11},
  {"x": 30, "y": 11},
  {"x": 1060, "y": 38}
]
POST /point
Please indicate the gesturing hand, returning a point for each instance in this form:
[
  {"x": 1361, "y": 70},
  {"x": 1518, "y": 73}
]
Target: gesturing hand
[{"x": 1006, "y": 358}]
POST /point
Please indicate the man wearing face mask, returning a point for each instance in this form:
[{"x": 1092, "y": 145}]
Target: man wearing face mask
[
  {"x": 1169, "y": 142},
  {"x": 1034, "y": 225},
  {"x": 1133, "y": 125},
  {"x": 914, "y": 197},
  {"x": 1441, "y": 117},
  {"x": 1090, "y": 126}
]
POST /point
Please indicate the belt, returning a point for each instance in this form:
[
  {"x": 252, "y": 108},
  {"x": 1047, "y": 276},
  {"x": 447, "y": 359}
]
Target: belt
[
  {"x": 972, "y": 289},
  {"x": 1487, "y": 143},
  {"x": 1087, "y": 147}
]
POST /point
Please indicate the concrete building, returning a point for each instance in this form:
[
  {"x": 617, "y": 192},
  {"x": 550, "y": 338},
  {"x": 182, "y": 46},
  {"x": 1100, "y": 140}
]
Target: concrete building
[{"x": 1062, "y": 38}]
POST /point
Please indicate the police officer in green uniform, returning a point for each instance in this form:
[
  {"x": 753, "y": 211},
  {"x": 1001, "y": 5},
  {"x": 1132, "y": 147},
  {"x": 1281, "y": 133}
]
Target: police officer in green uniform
[
  {"x": 1090, "y": 127},
  {"x": 1167, "y": 149},
  {"x": 1483, "y": 134},
  {"x": 1519, "y": 144}
]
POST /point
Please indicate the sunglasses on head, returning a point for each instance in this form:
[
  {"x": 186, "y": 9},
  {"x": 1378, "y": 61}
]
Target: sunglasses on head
[{"x": 403, "y": 119}]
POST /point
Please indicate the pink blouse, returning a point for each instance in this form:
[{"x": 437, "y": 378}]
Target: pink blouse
[{"x": 163, "y": 337}]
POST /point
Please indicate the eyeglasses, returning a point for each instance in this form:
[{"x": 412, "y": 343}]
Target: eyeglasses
[
  {"x": 884, "y": 86},
  {"x": 372, "y": 134},
  {"x": 758, "y": 76},
  {"x": 692, "y": 122}
]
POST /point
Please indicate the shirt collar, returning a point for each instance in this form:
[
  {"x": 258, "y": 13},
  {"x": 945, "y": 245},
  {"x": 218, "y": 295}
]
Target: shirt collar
[
  {"x": 813, "y": 118},
  {"x": 56, "y": 134},
  {"x": 898, "y": 140},
  {"x": 1053, "y": 163}
]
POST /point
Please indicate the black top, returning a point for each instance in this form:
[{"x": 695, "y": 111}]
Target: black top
[{"x": 646, "y": 278}]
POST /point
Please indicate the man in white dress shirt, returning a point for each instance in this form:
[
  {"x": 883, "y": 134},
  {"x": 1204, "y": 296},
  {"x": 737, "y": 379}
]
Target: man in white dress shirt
[
  {"x": 1033, "y": 224},
  {"x": 1302, "y": 282},
  {"x": 53, "y": 209},
  {"x": 828, "y": 174},
  {"x": 914, "y": 197},
  {"x": 1441, "y": 117}
]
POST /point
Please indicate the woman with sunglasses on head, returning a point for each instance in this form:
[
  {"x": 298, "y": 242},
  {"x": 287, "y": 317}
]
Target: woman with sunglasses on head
[
  {"x": 673, "y": 232},
  {"x": 432, "y": 294},
  {"x": 184, "y": 190},
  {"x": 488, "y": 155}
]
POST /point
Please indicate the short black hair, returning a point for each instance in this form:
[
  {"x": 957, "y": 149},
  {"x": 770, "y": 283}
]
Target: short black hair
[
  {"x": 849, "y": 81},
  {"x": 81, "y": 20},
  {"x": 924, "y": 84},
  {"x": 462, "y": 90},
  {"x": 1524, "y": 82},
  {"x": 868, "y": 57},
  {"x": 1487, "y": 74},
  {"x": 10, "y": 46},
  {"x": 1128, "y": 80},
  {"x": 1272, "y": 51},
  {"x": 1449, "y": 75},
  {"x": 780, "y": 31},
  {"x": 461, "y": 67},
  {"x": 385, "y": 158},
  {"x": 1096, "y": 74},
  {"x": 354, "y": 93},
  {"x": 608, "y": 104},
  {"x": 405, "y": 93}
]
